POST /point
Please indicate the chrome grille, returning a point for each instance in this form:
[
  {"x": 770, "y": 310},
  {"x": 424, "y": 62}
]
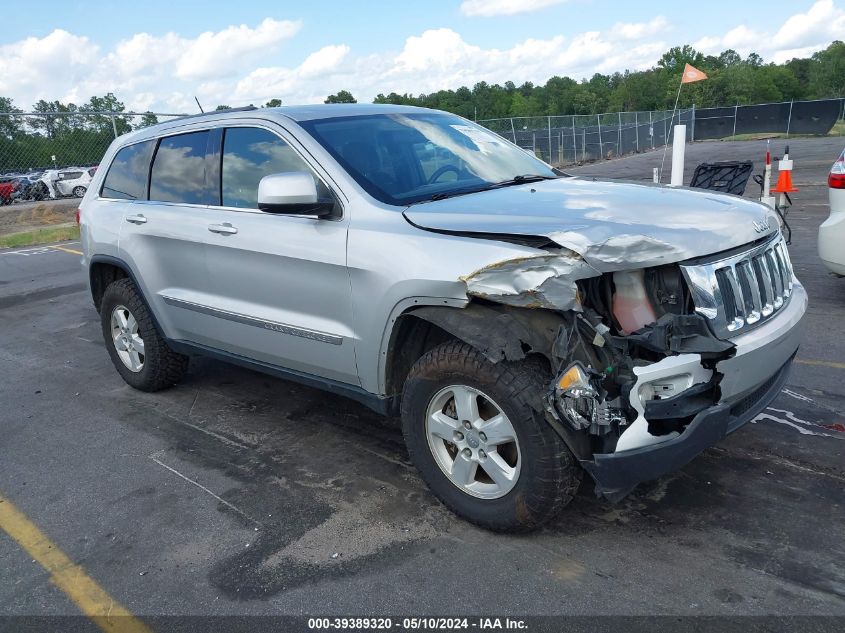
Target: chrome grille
[{"x": 739, "y": 292}]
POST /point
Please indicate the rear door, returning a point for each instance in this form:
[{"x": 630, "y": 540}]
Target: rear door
[
  {"x": 163, "y": 237},
  {"x": 283, "y": 292}
]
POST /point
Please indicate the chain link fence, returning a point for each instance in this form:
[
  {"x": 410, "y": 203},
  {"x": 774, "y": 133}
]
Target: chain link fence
[
  {"x": 564, "y": 140},
  {"x": 561, "y": 140},
  {"x": 54, "y": 155}
]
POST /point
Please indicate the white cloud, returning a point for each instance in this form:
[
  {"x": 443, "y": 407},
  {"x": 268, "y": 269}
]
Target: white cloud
[
  {"x": 639, "y": 30},
  {"x": 487, "y": 8},
  {"x": 213, "y": 54},
  {"x": 800, "y": 35},
  {"x": 30, "y": 63},
  {"x": 250, "y": 64}
]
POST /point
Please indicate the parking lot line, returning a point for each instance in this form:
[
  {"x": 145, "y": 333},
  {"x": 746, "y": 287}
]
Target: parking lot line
[
  {"x": 91, "y": 599},
  {"x": 73, "y": 251},
  {"x": 820, "y": 363}
]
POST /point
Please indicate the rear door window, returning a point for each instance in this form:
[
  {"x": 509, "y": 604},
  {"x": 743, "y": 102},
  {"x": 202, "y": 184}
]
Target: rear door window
[
  {"x": 179, "y": 169},
  {"x": 251, "y": 153},
  {"x": 127, "y": 175}
]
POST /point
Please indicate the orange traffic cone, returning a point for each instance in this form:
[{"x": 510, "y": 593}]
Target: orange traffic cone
[{"x": 784, "y": 177}]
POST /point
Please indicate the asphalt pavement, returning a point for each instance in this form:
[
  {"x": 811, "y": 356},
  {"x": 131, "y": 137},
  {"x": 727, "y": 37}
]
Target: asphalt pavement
[{"x": 237, "y": 493}]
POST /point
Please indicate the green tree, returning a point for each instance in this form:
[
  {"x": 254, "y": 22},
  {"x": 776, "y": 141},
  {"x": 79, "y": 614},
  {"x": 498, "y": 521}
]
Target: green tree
[
  {"x": 827, "y": 72},
  {"x": 343, "y": 96},
  {"x": 273, "y": 103},
  {"x": 9, "y": 125},
  {"x": 107, "y": 122},
  {"x": 147, "y": 119}
]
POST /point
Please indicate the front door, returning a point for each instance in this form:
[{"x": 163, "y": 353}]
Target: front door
[{"x": 283, "y": 289}]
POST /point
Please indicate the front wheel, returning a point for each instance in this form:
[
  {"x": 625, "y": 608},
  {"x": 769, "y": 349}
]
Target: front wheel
[
  {"x": 79, "y": 191},
  {"x": 475, "y": 434}
]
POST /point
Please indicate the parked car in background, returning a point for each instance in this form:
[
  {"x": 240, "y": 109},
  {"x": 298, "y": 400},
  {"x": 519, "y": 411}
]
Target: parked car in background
[
  {"x": 31, "y": 188},
  {"x": 8, "y": 189},
  {"x": 74, "y": 182},
  {"x": 832, "y": 230}
]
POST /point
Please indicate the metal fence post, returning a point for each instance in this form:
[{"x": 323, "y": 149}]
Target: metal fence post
[
  {"x": 534, "y": 143},
  {"x": 601, "y": 145},
  {"x": 574, "y": 144},
  {"x": 736, "y": 108},
  {"x": 789, "y": 119},
  {"x": 692, "y": 124},
  {"x": 114, "y": 125},
  {"x": 651, "y": 129},
  {"x": 549, "y": 119},
  {"x": 560, "y": 147},
  {"x": 513, "y": 131},
  {"x": 619, "y": 136},
  {"x": 637, "y": 128}
]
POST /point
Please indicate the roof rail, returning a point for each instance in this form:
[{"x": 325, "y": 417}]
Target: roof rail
[{"x": 193, "y": 116}]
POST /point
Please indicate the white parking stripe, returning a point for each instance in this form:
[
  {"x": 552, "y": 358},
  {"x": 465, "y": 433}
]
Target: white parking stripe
[{"x": 36, "y": 250}]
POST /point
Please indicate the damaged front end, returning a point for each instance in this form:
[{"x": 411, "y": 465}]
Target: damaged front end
[{"x": 638, "y": 387}]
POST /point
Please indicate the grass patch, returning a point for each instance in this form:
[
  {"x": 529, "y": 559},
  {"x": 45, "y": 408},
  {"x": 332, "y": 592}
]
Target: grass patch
[{"x": 39, "y": 236}]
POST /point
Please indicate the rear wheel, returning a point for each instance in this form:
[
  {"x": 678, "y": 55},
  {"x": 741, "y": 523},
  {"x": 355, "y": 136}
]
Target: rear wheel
[
  {"x": 475, "y": 434},
  {"x": 79, "y": 191},
  {"x": 138, "y": 351}
]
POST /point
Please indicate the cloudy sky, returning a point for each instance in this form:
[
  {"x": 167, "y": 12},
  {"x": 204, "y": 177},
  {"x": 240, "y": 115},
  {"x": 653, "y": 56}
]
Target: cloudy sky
[{"x": 157, "y": 55}]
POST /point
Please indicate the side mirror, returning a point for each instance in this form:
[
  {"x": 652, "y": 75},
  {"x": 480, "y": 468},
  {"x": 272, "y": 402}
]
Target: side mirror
[{"x": 292, "y": 193}]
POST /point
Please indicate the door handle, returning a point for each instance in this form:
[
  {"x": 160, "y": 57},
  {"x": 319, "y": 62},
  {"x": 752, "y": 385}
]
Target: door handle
[
  {"x": 222, "y": 229},
  {"x": 136, "y": 219}
]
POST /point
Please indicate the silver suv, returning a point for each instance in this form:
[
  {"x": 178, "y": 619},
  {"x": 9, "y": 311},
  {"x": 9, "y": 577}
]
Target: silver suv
[{"x": 528, "y": 326}]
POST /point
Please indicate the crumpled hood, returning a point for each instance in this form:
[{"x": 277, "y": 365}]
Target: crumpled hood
[{"x": 612, "y": 225}]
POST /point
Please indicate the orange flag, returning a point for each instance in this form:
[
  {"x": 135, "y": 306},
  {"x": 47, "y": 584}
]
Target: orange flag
[{"x": 691, "y": 74}]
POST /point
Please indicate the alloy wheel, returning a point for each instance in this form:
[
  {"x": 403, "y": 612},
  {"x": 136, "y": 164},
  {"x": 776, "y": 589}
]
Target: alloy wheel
[
  {"x": 127, "y": 339},
  {"x": 473, "y": 442}
]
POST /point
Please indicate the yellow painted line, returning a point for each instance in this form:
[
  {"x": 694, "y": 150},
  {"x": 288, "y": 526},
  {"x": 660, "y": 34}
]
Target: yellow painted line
[
  {"x": 73, "y": 251},
  {"x": 91, "y": 599},
  {"x": 821, "y": 363}
]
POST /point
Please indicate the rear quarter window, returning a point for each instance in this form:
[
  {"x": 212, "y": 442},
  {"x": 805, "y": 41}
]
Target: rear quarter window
[{"x": 126, "y": 178}]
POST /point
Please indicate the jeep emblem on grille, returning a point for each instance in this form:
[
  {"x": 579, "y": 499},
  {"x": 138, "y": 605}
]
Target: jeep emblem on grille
[{"x": 761, "y": 226}]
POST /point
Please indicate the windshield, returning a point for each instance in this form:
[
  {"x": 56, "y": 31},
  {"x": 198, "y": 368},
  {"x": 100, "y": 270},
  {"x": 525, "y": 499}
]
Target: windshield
[{"x": 405, "y": 158}]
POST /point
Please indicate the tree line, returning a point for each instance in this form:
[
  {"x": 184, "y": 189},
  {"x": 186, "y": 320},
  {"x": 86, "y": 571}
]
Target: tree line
[{"x": 732, "y": 80}]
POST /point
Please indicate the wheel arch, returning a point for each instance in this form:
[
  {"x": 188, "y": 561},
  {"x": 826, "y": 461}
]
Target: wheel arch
[
  {"x": 104, "y": 270},
  {"x": 500, "y": 333}
]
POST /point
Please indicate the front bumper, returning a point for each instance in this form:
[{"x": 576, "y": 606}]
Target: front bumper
[
  {"x": 617, "y": 474},
  {"x": 747, "y": 387}
]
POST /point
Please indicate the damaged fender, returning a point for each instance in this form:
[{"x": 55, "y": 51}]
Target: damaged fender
[{"x": 541, "y": 281}]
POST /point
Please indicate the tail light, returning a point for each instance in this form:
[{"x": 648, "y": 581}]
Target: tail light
[
  {"x": 78, "y": 212},
  {"x": 836, "y": 179}
]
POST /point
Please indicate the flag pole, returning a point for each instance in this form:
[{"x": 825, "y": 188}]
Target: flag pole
[{"x": 671, "y": 118}]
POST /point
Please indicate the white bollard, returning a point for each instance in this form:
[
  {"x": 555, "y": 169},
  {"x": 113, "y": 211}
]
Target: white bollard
[
  {"x": 679, "y": 144},
  {"x": 656, "y": 175}
]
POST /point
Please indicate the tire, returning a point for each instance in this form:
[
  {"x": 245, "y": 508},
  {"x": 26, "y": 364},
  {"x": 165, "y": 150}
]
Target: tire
[
  {"x": 544, "y": 473},
  {"x": 159, "y": 367},
  {"x": 79, "y": 191}
]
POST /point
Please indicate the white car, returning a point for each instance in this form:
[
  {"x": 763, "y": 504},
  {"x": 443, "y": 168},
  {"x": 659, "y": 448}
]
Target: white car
[
  {"x": 832, "y": 231},
  {"x": 74, "y": 182}
]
